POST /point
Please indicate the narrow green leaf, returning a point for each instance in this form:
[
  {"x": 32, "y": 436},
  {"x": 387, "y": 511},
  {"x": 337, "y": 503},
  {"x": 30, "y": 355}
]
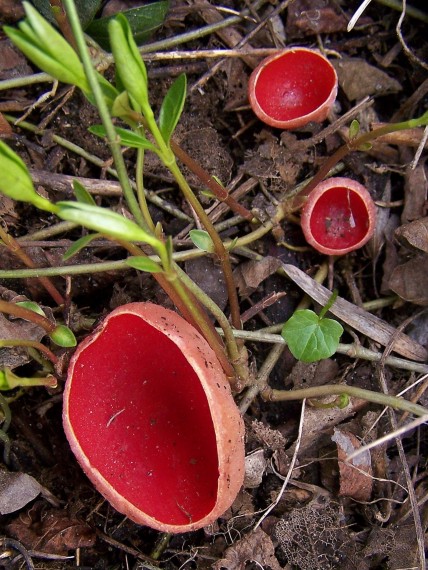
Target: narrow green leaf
[
  {"x": 365, "y": 146},
  {"x": 310, "y": 338},
  {"x": 143, "y": 22},
  {"x": 129, "y": 66},
  {"x": 79, "y": 245},
  {"x": 202, "y": 240},
  {"x": 144, "y": 264},
  {"x": 15, "y": 180},
  {"x": 32, "y": 306},
  {"x": 82, "y": 195},
  {"x": 354, "y": 129},
  {"x": 172, "y": 107},
  {"x": 105, "y": 222},
  {"x": 127, "y": 138}
]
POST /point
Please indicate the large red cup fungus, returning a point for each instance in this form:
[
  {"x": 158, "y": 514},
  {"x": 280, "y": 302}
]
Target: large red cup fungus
[
  {"x": 292, "y": 88},
  {"x": 149, "y": 414},
  {"x": 339, "y": 216}
]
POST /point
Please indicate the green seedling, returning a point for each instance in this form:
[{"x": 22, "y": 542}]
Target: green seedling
[{"x": 311, "y": 337}]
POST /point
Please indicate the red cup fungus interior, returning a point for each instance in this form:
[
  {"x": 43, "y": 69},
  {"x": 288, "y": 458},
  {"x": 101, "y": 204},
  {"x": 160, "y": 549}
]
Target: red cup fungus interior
[
  {"x": 291, "y": 86},
  {"x": 338, "y": 219},
  {"x": 142, "y": 419}
]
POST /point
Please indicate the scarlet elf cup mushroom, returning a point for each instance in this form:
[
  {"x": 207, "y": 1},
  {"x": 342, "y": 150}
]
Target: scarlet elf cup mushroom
[
  {"x": 339, "y": 216},
  {"x": 149, "y": 414},
  {"x": 292, "y": 88}
]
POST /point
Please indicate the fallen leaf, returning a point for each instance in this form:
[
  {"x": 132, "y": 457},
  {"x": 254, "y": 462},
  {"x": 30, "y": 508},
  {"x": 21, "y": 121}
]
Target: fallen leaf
[
  {"x": 249, "y": 275},
  {"x": 410, "y": 280},
  {"x": 414, "y": 234},
  {"x": 415, "y": 193},
  {"x": 255, "y": 547},
  {"x": 52, "y": 531},
  {"x": 355, "y": 476},
  {"x": 16, "y": 491},
  {"x": 359, "y": 79}
]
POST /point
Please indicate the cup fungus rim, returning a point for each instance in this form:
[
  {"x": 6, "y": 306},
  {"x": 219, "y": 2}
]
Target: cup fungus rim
[
  {"x": 312, "y": 200},
  {"x": 230, "y": 456},
  {"x": 317, "y": 115}
]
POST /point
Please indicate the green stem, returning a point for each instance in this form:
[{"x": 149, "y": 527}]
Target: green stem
[
  {"x": 139, "y": 169},
  {"x": 337, "y": 389},
  {"x": 104, "y": 112},
  {"x": 219, "y": 248},
  {"x": 232, "y": 347},
  {"x": 26, "y": 314}
]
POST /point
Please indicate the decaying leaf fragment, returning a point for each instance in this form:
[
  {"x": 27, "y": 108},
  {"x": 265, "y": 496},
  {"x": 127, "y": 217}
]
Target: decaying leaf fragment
[
  {"x": 355, "y": 475},
  {"x": 256, "y": 546}
]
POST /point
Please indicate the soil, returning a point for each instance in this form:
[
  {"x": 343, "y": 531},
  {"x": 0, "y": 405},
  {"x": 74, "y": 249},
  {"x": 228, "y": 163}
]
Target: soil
[{"x": 302, "y": 504}]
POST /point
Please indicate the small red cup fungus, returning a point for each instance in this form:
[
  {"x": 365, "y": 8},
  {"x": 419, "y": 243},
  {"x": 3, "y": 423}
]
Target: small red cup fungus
[
  {"x": 149, "y": 414},
  {"x": 339, "y": 216},
  {"x": 292, "y": 88}
]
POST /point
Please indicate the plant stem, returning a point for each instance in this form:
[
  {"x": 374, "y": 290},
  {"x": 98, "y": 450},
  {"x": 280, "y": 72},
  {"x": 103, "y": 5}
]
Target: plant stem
[
  {"x": 217, "y": 189},
  {"x": 104, "y": 113},
  {"x": 13, "y": 245},
  {"x": 26, "y": 314},
  {"x": 30, "y": 344},
  {"x": 336, "y": 390},
  {"x": 350, "y": 146},
  {"x": 139, "y": 169},
  {"x": 220, "y": 250}
]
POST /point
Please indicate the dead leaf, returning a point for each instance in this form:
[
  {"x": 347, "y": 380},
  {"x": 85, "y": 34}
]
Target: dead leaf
[
  {"x": 255, "y": 467},
  {"x": 16, "y": 491},
  {"x": 359, "y": 79},
  {"x": 256, "y": 546},
  {"x": 13, "y": 357},
  {"x": 410, "y": 280},
  {"x": 53, "y": 531},
  {"x": 355, "y": 476},
  {"x": 249, "y": 275},
  {"x": 414, "y": 234},
  {"x": 310, "y": 17},
  {"x": 415, "y": 193}
]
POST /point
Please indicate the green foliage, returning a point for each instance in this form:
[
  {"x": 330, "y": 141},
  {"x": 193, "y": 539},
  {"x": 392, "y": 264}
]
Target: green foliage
[
  {"x": 32, "y": 306},
  {"x": 311, "y": 337},
  {"x": 130, "y": 67},
  {"x": 86, "y": 9},
  {"x": 15, "y": 180},
  {"x": 126, "y": 137},
  {"x": 354, "y": 129},
  {"x": 172, "y": 107},
  {"x": 82, "y": 195},
  {"x": 79, "y": 245},
  {"x": 45, "y": 47},
  {"x": 9, "y": 381},
  {"x": 104, "y": 221},
  {"x": 202, "y": 240},
  {"x": 63, "y": 336},
  {"x": 143, "y": 22},
  {"x": 144, "y": 264}
]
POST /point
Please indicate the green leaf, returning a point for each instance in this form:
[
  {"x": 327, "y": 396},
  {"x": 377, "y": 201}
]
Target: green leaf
[
  {"x": 32, "y": 306},
  {"x": 143, "y": 22},
  {"x": 82, "y": 195},
  {"x": 15, "y": 180},
  {"x": 85, "y": 8},
  {"x": 354, "y": 129},
  {"x": 202, "y": 240},
  {"x": 365, "y": 146},
  {"x": 310, "y": 338},
  {"x": 45, "y": 47},
  {"x": 79, "y": 245},
  {"x": 105, "y": 222},
  {"x": 172, "y": 107},
  {"x": 63, "y": 336},
  {"x": 126, "y": 137},
  {"x": 144, "y": 264},
  {"x": 130, "y": 67}
]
